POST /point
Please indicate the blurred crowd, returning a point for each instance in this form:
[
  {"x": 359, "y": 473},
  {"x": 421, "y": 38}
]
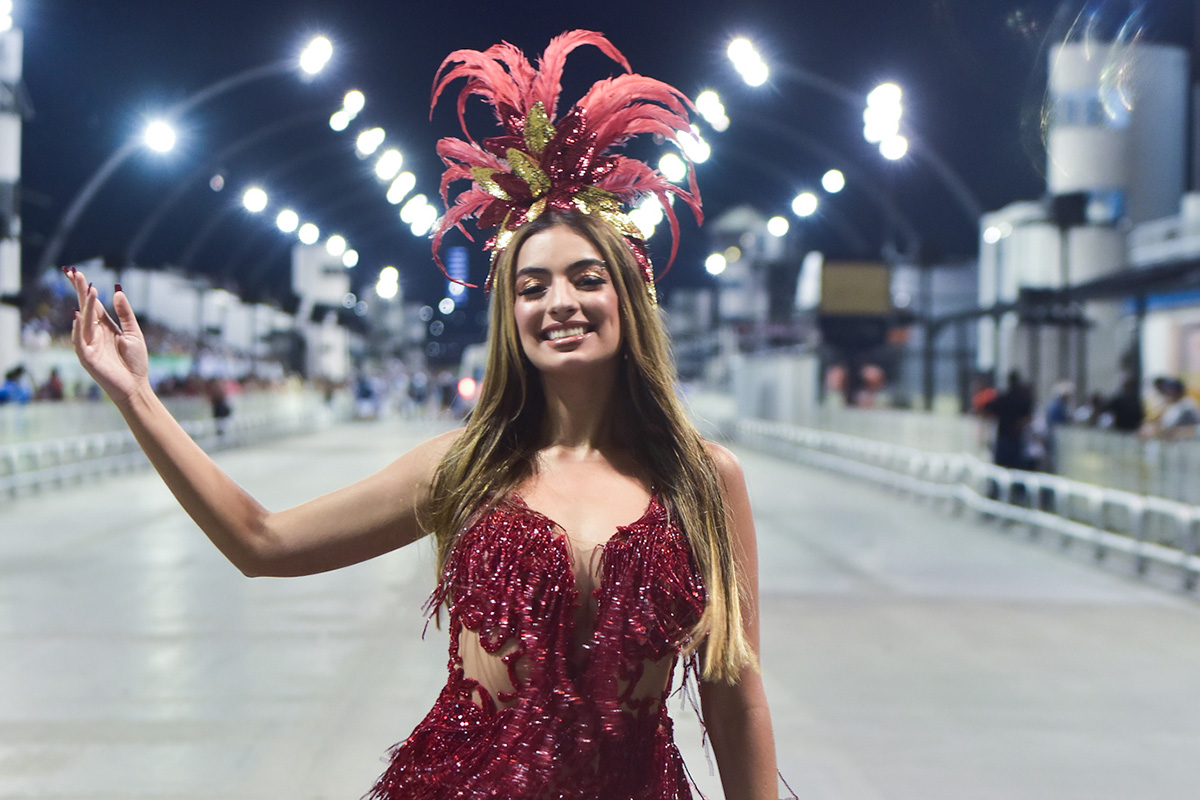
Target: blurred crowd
[{"x": 1024, "y": 434}]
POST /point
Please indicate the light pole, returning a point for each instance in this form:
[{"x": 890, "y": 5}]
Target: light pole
[{"x": 312, "y": 59}]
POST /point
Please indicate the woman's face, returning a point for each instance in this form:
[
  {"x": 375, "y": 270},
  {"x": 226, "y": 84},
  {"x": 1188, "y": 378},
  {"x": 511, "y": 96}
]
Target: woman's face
[{"x": 566, "y": 307}]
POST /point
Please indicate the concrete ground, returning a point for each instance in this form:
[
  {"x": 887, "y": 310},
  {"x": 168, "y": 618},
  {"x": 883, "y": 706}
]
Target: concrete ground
[{"x": 907, "y": 654}]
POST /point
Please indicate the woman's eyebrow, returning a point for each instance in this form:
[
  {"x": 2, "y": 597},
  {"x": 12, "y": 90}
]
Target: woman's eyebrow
[{"x": 575, "y": 265}]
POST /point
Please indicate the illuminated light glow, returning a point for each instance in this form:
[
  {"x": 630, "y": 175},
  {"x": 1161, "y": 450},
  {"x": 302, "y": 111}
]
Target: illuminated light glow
[
  {"x": 466, "y": 387},
  {"x": 254, "y": 199},
  {"x": 388, "y": 164},
  {"x": 885, "y": 94},
  {"x": 756, "y": 74},
  {"x": 216, "y": 182},
  {"x": 316, "y": 55},
  {"x": 733, "y": 254},
  {"x": 388, "y": 285},
  {"x": 748, "y": 62},
  {"x": 647, "y": 215},
  {"x": 350, "y": 300},
  {"x": 159, "y": 136},
  {"x": 777, "y": 226},
  {"x": 719, "y": 124},
  {"x": 709, "y": 102},
  {"x": 350, "y": 259},
  {"x": 339, "y": 120},
  {"x": 672, "y": 167},
  {"x": 287, "y": 220},
  {"x": 894, "y": 148},
  {"x": 309, "y": 233},
  {"x": 409, "y": 211},
  {"x": 369, "y": 140},
  {"x": 833, "y": 181},
  {"x": 457, "y": 289},
  {"x": 353, "y": 102},
  {"x": 991, "y": 234},
  {"x": 426, "y": 218},
  {"x": 805, "y": 204},
  {"x": 693, "y": 146},
  {"x": 741, "y": 50},
  {"x": 446, "y": 305},
  {"x": 715, "y": 264},
  {"x": 400, "y": 187},
  {"x": 335, "y": 245}
]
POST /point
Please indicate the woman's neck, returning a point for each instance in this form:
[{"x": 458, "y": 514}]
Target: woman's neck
[{"x": 578, "y": 409}]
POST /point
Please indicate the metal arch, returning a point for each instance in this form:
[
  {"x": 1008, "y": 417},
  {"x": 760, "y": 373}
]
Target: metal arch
[
  {"x": 205, "y": 232},
  {"x": 875, "y": 192},
  {"x": 153, "y": 219},
  {"x": 84, "y": 197}
]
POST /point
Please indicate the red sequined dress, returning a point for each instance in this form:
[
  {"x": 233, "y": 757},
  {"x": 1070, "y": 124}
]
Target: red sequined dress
[{"x": 555, "y": 691}]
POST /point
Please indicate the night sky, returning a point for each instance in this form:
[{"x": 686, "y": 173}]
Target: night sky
[{"x": 973, "y": 72}]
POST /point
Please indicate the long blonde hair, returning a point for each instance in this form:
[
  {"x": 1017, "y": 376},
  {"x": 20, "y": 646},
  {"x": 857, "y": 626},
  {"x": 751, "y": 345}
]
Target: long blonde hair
[{"x": 498, "y": 448}]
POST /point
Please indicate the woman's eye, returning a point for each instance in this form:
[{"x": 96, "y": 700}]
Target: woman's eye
[
  {"x": 531, "y": 290},
  {"x": 591, "y": 280}
]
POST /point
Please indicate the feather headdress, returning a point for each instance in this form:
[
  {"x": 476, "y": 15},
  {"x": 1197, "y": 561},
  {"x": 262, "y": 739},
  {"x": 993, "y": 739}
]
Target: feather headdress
[{"x": 568, "y": 163}]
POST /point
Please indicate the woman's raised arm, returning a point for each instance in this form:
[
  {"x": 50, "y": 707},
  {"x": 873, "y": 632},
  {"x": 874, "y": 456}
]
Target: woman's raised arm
[{"x": 363, "y": 520}]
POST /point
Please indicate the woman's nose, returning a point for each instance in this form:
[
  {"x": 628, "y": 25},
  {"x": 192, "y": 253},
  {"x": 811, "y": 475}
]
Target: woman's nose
[{"x": 562, "y": 298}]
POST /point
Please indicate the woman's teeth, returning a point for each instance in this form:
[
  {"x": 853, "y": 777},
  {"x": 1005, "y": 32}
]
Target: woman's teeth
[{"x": 563, "y": 333}]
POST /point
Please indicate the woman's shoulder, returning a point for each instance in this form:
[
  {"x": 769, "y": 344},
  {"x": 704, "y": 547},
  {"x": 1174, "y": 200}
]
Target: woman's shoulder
[{"x": 729, "y": 467}]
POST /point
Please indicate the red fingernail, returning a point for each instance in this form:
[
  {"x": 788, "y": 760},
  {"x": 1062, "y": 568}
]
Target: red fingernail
[
  {"x": 119, "y": 289},
  {"x": 89, "y": 286},
  {"x": 65, "y": 270}
]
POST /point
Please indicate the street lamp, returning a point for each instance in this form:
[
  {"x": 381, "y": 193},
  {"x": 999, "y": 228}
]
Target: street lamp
[{"x": 80, "y": 202}]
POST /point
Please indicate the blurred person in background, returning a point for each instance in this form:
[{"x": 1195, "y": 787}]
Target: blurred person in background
[{"x": 1179, "y": 415}]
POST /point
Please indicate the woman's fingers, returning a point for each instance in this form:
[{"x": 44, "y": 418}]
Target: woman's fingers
[
  {"x": 124, "y": 311},
  {"x": 90, "y": 302}
]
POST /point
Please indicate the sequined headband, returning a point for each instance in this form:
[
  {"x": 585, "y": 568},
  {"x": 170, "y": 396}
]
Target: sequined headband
[{"x": 542, "y": 164}]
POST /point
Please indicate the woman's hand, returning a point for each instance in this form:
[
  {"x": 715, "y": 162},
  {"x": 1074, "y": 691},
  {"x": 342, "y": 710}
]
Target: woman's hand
[{"x": 114, "y": 355}]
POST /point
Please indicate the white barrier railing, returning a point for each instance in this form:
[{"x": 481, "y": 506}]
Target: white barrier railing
[
  {"x": 39, "y": 465},
  {"x": 1148, "y": 529}
]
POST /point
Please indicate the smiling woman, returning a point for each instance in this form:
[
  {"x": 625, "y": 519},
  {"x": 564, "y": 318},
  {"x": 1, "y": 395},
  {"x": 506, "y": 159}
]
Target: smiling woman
[{"x": 589, "y": 541}]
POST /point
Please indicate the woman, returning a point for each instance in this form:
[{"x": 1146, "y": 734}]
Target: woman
[{"x": 586, "y": 535}]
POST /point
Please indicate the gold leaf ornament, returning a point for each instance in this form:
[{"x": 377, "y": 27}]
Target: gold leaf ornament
[
  {"x": 523, "y": 165},
  {"x": 538, "y": 130},
  {"x": 483, "y": 177}
]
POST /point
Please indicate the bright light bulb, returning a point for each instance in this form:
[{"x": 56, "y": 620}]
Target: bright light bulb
[
  {"x": 387, "y": 290},
  {"x": 353, "y": 102},
  {"x": 389, "y": 274},
  {"x": 805, "y": 204},
  {"x": 159, "y": 136},
  {"x": 409, "y": 211},
  {"x": 339, "y": 120},
  {"x": 991, "y": 234},
  {"x": 388, "y": 164},
  {"x": 316, "y": 55},
  {"x": 350, "y": 259},
  {"x": 777, "y": 227},
  {"x": 254, "y": 199},
  {"x": 446, "y": 305},
  {"x": 369, "y": 140},
  {"x": 833, "y": 181},
  {"x": 309, "y": 233},
  {"x": 894, "y": 148},
  {"x": 693, "y": 146},
  {"x": 287, "y": 221},
  {"x": 672, "y": 167},
  {"x": 885, "y": 94},
  {"x": 741, "y": 50},
  {"x": 400, "y": 187},
  {"x": 335, "y": 245},
  {"x": 715, "y": 264}
]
